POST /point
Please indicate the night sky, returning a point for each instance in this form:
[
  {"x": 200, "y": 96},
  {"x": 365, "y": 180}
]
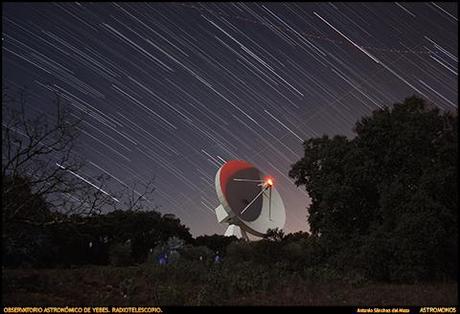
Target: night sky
[{"x": 175, "y": 89}]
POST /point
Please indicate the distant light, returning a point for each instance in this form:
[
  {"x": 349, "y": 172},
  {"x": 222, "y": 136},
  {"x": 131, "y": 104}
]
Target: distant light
[{"x": 269, "y": 182}]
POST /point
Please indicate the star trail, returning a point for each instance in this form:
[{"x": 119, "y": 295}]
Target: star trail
[{"x": 174, "y": 90}]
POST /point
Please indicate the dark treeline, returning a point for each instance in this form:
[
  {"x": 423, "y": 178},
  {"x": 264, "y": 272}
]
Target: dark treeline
[
  {"x": 384, "y": 208},
  {"x": 119, "y": 237}
]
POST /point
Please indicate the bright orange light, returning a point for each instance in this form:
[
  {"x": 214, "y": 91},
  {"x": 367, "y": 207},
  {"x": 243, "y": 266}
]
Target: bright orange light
[{"x": 269, "y": 182}]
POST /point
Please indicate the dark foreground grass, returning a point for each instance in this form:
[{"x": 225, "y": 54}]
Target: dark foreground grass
[{"x": 188, "y": 284}]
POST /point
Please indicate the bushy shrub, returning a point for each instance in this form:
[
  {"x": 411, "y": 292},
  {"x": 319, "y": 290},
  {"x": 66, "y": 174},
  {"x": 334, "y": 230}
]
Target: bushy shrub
[
  {"x": 174, "y": 244},
  {"x": 120, "y": 254},
  {"x": 197, "y": 253},
  {"x": 239, "y": 251}
]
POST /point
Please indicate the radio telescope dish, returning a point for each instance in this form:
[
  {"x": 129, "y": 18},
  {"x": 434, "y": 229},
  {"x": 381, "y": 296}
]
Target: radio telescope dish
[{"x": 249, "y": 201}]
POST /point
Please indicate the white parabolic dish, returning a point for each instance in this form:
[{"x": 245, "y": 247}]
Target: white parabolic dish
[{"x": 248, "y": 199}]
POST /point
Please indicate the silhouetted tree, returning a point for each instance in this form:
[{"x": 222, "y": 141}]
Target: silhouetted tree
[
  {"x": 40, "y": 187},
  {"x": 276, "y": 235},
  {"x": 387, "y": 199},
  {"x": 38, "y": 152}
]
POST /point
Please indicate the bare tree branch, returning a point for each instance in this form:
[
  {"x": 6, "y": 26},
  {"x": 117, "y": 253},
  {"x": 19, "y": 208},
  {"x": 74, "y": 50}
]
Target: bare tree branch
[{"x": 40, "y": 168}]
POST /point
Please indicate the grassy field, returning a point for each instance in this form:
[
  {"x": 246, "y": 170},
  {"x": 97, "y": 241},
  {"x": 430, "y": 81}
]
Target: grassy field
[{"x": 204, "y": 285}]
